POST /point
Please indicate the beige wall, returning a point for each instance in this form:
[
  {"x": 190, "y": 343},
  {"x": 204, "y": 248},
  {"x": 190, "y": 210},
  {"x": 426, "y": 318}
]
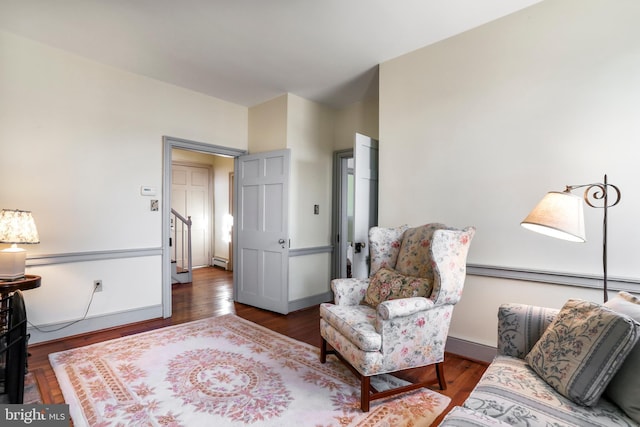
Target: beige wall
[
  {"x": 78, "y": 140},
  {"x": 476, "y": 129},
  {"x": 307, "y": 130},
  {"x": 268, "y": 125},
  {"x": 360, "y": 117},
  {"x": 310, "y": 138}
]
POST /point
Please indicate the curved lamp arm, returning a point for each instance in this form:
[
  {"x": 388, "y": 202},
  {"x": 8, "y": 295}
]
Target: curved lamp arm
[{"x": 560, "y": 215}]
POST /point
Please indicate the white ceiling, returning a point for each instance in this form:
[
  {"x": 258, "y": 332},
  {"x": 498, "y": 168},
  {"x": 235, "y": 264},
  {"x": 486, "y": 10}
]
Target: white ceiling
[{"x": 250, "y": 51}]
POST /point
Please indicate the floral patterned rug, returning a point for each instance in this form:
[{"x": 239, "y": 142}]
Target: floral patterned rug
[{"x": 224, "y": 371}]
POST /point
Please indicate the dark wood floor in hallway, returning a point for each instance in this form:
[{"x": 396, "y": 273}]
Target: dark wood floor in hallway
[{"x": 211, "y": 294}]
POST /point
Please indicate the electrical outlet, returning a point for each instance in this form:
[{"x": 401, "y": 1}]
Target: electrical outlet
[{"x": 97, "y": 285}]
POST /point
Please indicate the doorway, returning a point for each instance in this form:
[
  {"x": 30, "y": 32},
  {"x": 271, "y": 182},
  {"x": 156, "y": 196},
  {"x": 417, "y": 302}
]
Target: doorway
[
  {"x": 192, "y": 196},
  {"x": 343, "y": 213},
  {"x": 355, "y": 206},
  {"x": 195, "y": 148}
]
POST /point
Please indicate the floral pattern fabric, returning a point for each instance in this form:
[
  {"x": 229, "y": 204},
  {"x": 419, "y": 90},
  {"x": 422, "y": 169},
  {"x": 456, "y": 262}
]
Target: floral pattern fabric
[
  {"x": 388, "y": 284},
  {"x": 384, "y": 247},
  {"x": 414, "y": 258},
  {"x": 582, "y": 349},
  {"x": 349, "y": 291},
  {"x": 391, "y": 309},
  {"x": 411, "y": 341},
  {"x": 411, "y": 332},
  {"x": 357, "y": 323},
  {"x": 449, "y": 250}
]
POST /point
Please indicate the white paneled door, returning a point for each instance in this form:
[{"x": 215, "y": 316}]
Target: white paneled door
[
  {"x": 190, "y": 196},
  {"x": 365, "y": 209},
  {"x": 262, "y": 262}
]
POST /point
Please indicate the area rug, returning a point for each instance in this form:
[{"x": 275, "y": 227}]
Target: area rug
[
  {"x": 31, "y": 392},
  {"x": 224, "y": 371},
  {"x": 31, "y": 395}
]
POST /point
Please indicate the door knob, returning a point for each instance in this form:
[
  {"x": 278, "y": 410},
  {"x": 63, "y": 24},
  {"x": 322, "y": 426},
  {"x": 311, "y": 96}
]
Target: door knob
[
  {"x": 359, "y": 246},
  {"x": 282, "y": 242}
]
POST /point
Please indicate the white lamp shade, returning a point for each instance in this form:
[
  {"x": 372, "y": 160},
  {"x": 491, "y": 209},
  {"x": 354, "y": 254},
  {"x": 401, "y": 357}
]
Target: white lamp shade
[
  {"x": 559, "y": 215},
  {"x": 17, "y": 226}
]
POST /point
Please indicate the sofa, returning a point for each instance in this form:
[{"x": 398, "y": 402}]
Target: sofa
[{"x": 540, "y": 377}]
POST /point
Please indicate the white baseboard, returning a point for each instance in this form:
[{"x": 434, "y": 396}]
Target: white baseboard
[
  {"x": 303, "y": 303},
  {"x": 471, "y": 350},
  {"x": 92, "y": 324}
]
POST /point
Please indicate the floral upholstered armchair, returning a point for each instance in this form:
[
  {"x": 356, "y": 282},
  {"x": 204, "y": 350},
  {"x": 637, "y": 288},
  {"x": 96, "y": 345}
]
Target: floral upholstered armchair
[{"x": 399, "y": 317}]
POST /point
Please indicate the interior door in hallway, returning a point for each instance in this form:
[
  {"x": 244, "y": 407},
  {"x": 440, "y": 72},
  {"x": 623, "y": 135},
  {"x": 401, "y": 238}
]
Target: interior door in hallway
[
  {"x": 366, "y": 201},
  {"x": 262, "y": 224},
  {"x": 190, "y": 196}
]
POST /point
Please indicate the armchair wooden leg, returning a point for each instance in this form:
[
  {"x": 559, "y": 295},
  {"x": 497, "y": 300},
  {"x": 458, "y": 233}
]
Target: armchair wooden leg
[
  {"x": 440, "y": 374},
  {"x": 323, "y": 351},
  {"x": 365, "y": 385}
]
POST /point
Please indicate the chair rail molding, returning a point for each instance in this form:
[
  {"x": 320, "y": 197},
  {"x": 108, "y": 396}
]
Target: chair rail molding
[{"x": 556, "y": 278}]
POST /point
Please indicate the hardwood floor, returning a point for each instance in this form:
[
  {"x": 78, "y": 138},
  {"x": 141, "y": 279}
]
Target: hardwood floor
[{"x": 211, "y": 294}]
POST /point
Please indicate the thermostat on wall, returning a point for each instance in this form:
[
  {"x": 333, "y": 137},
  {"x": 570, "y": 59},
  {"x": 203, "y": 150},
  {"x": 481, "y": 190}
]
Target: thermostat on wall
[{"x": 147, "y": 191}]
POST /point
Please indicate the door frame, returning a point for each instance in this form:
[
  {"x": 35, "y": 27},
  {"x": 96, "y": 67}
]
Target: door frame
[
  {"x": 168, "y": 144},
  {"x": 339, "y": 197}
]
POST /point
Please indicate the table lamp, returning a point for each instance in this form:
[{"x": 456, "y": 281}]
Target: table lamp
[
  {"x": 561, "y": 215},
  {"x": 16, "y": 227}
]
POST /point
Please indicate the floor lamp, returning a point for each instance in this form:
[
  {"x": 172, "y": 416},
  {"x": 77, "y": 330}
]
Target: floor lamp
[{"x": 561, "y": 215}]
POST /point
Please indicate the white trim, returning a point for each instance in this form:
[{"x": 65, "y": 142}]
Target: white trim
[
  {"x": 310, "y": 251},
  {"x": 93, "y": 324},
  {"x": 169, "y": 143},
  {"x": 311, "y": 301},
  {"x": 569, "y": 279},
  {"x": 52, "y": 259},
  {"x": 470, "y": 350}
]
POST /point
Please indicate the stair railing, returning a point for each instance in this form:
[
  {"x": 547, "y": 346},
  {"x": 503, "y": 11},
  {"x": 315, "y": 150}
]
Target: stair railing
[{"x": 184, "y": 224}]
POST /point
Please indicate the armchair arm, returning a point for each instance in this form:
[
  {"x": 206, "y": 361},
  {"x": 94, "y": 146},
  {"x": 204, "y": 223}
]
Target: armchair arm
[
  {"x": 403, "y": 307},
  {"x": 520, "y": 326},
  {"x": 349, "y": 291}
]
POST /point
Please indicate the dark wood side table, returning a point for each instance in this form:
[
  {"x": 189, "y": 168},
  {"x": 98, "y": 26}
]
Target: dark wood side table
[
  {"x": 7, "y": 287},
  {"x": 29, "y": 281}
]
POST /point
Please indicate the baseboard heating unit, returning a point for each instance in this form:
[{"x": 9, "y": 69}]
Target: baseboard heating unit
[{"x": 221, "y": 262}]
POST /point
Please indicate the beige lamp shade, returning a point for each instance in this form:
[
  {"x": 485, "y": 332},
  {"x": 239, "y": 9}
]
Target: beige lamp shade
[
  {"x": 16, "y": 227},
  {"x": 559, "y": 215}
]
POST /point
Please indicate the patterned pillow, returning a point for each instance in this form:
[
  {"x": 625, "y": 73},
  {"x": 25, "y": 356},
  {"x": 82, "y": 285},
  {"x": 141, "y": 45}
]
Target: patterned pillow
[
  {"x": 414, "y": 259},
  {"x": 624, "y": 388},
  {"x": 582, "y": 349},
  {"x": 387, "y": 284},
  {"x": 384, "y": 247}
]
